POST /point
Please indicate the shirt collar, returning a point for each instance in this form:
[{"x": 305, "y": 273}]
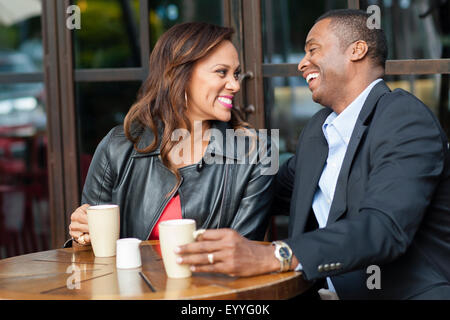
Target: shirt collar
[{"x": 346, "y": 120}]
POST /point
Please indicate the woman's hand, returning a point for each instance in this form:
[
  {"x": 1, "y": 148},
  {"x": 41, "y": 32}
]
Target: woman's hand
[{"x": 79, "y": 225}]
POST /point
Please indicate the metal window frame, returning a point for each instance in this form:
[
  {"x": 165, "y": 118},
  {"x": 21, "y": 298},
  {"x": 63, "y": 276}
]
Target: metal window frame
[
  {"x": 253, "y": 57},
  {"x": 8, "y": 77},
  {"x": 61, "y": 124},
  {"x": 393, "y": 67},
  {"x": 54, "y": 123},
  {"x": 353, "y": 4},
  {"x": 60, "y": 79}
]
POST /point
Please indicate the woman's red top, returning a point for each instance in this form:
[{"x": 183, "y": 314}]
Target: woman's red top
[{"x": 171, "y": 211}]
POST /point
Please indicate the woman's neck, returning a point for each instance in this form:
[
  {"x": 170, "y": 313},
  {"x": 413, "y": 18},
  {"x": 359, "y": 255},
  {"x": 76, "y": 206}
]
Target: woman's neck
[{"x": 192, "y": 149}]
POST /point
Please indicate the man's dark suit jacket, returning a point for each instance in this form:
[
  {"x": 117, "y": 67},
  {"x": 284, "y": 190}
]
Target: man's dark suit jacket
[{"x": 391, "y": 207}]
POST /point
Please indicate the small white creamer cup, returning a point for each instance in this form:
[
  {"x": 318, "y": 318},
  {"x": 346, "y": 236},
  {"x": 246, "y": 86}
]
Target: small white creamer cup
[{"x": 128, "y": 255}]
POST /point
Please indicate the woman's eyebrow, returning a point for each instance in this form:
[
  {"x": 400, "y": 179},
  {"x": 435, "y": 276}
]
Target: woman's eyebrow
[
  {"x": 222, "y": 65},
  {"x": 226, "y": 66}
]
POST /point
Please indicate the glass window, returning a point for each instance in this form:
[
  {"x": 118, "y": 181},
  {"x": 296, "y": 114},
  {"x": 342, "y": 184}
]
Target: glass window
[
  {"x": 99, "y": 107},
  {"x": 109, "y": 34},
  {"x": 286, "y": 24},
  {"x": 24, "y": 211},
  {"x": 21, "y": 38},
  {"x": 289, "y": 106},
  {"x": 22, "y": 104},
  {"x": 166, "y": 13},
  {"x": 433, "y": 90},
  {"x": 415, "y": 29}
]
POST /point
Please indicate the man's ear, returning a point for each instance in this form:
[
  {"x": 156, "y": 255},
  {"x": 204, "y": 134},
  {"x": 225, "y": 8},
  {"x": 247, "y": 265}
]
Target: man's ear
[{"x": 358, "y": 50}]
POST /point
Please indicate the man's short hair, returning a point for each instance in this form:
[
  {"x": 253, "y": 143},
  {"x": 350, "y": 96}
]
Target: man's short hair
[{"x": 350, "y": 25}]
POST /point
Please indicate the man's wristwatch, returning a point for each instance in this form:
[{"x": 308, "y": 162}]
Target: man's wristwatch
[{"x": 284, "y": 254}]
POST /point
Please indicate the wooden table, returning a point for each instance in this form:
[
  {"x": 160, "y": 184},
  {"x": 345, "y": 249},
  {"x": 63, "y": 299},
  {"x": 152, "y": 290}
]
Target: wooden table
[{"x": 77, "y": 274}]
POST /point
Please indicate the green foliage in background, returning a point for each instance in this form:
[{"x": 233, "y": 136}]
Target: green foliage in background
[{"x": 104, "y": 41}]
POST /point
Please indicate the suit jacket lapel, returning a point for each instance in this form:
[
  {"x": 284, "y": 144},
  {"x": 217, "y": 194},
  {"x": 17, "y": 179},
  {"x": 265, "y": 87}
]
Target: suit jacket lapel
[
  {"x": 314, "y": 153},
  {"x": 339, "y": 204}
]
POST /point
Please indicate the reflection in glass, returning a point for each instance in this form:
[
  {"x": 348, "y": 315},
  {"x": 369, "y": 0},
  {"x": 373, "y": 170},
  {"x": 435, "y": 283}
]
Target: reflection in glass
[
  {"x": 24, "y": 211},
  {"x": 289, "y": 106},
  {"x": 20, "y": 37},
  {"x": 286, "y": 24},
  {"x": 109, "y": 34},
  {"x": 433, "y": 90},
  {"x": 166, "y": 13},
  {"x": 418, "y": 29},
  {"x": 13, "y": 12},
  {"x": 100, "y": 107},
  {"x": 22, "y": 104}
]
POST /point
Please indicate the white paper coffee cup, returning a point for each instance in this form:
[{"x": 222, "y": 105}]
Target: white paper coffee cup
[{"x": 104, "y": 229}]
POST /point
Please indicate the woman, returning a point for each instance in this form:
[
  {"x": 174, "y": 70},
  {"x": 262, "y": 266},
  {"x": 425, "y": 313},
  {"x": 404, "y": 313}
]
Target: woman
[{"x": 153, "y": 175}]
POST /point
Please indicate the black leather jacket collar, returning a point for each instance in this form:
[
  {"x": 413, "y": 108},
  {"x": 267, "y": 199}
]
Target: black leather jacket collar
[{"x": 215, "y": 148}]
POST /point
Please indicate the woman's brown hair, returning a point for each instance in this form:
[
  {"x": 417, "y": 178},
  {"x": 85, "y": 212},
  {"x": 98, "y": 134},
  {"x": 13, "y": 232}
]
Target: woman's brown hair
[{"x": 161, "y": 99}]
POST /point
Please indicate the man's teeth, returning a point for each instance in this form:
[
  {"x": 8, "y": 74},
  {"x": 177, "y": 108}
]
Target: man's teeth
[
  {"x": 311, "y": 76},
  {"x": 225, "y": 100}
]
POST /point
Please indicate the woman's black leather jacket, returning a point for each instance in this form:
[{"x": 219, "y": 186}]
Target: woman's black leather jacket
[{"x": 232, "y": 194}]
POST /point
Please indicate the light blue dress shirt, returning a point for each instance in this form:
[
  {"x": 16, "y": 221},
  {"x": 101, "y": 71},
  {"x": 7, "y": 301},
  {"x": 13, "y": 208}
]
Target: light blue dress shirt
[{"x": 337, "y": 130}]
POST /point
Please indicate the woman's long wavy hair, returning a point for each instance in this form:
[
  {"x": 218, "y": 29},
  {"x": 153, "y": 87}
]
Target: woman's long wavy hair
[{"x": 161, "y": 99}]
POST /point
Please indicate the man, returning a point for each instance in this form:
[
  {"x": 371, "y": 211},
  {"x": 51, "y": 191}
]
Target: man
[{"x": 369, "y": 184}]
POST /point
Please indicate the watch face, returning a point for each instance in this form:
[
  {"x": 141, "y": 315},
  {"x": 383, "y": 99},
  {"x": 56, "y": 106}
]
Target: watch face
[{"x": 284, "y": 252}]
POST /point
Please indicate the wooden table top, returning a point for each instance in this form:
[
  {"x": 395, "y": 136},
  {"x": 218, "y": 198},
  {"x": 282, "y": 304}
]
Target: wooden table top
[{"x": 75, "y": 273}]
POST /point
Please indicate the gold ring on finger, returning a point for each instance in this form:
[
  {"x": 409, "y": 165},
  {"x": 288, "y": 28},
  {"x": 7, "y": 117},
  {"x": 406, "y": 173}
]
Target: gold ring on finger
[
  {"x": 81, "y": 240},
  {"x": 211, "y": 258}
]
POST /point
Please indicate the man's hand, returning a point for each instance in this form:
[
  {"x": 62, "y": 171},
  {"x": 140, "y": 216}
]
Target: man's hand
[{"x": 232, "y": 254}]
